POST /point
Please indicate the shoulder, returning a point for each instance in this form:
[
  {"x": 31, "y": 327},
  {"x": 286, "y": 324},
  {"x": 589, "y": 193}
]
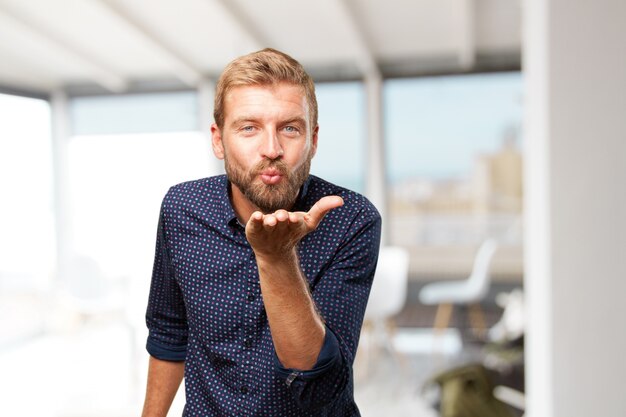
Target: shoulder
[
  {"x": 353, "y": 201},
  {"x": 194, "y": 192},
  {"x": 354, "y": 204}
]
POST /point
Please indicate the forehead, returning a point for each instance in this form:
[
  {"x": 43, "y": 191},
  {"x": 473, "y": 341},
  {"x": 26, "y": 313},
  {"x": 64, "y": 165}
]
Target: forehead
[{"x": 278, "y": 100}]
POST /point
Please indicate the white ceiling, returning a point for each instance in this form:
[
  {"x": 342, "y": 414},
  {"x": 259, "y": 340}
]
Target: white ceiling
[{"x": 118, "y": 45}]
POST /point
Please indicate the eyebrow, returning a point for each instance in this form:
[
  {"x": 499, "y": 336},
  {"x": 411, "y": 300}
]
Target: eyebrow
[
  {"x": 248, "y": 119},
  {"x": 298, "y": 120},
  {"x": 244, "y": 119}
]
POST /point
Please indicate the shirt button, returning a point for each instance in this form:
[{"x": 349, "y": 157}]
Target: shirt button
[
  {"x": 243, "y": 389},
  {"x": 251, "y": 298},
  {"x": 247, "y": 343}
]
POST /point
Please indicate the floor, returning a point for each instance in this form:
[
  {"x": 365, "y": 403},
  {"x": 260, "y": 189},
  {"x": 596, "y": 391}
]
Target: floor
[
  {"x": 395, "y": 384},
  {"x": 83, "y": 374}
]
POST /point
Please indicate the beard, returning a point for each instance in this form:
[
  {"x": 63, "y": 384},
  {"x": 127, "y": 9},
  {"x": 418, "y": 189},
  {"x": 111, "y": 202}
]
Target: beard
[{"x": 269, "y": 197}]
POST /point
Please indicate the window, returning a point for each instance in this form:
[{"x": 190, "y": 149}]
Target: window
[
  {"x": 454, "y": 159},
  {"x": 127, "y": 151},
  {"x": 342, "y": 141},
  {"x": 134, "y": 113},
  {"x": 26, "y": 217},
  {"x": 117, "y": 183}
]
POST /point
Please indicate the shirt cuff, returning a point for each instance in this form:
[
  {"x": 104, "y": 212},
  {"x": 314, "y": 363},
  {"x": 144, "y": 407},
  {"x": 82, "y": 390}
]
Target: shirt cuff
[
  {"x": 166, "y": 352},
  {"x": 329, "y": 356}
]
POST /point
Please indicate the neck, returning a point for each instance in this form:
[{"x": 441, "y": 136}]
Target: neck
[{"x": 242, "y": 206}]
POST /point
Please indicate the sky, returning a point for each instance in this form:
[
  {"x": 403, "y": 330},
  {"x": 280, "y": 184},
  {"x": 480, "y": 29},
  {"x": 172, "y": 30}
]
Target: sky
[{"x": 433, "y": 126}]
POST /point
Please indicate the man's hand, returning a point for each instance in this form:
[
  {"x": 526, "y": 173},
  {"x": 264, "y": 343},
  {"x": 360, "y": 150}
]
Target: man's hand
[
  {"x": 296, "y": 327},
  {"x": 273, "y": 235}
]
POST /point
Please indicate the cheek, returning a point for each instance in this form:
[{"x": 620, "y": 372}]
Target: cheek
[
  {"x": 240, "y": 156},
  {"x": 300, "y": 154}
]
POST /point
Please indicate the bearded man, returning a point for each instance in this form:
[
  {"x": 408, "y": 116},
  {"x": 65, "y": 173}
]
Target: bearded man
[{"x": 261, "y": 276}]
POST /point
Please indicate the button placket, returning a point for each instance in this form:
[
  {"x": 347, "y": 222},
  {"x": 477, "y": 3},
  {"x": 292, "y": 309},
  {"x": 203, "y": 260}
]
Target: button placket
[{"x": 250, "y": 309}]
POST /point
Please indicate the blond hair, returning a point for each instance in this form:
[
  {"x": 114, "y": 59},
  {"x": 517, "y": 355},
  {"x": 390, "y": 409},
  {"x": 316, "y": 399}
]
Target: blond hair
[{"x": 265, "y": 67}]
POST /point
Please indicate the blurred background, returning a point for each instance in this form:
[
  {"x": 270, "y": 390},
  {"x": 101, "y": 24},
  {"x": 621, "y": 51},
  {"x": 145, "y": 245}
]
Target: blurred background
[{"x": 489, "y": 133}]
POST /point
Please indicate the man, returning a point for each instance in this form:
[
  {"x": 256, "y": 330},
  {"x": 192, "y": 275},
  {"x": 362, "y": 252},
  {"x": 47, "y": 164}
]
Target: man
[{"x": 261, "y": 276}]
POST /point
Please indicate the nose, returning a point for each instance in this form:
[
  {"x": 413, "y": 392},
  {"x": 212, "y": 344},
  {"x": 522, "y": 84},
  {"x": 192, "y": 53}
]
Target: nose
[{"x": 271, "y": 148}]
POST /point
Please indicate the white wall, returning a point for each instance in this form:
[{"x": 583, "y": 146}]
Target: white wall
[{"x": 575, "y": 69}]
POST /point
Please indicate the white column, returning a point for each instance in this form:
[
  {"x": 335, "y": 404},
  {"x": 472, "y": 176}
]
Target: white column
[
  {"x": 575, "y": 175},
  {"x": 467, "y": 32},
  {"x": 61, "y": 132},
  {"x": 206, "y": 97},
  {"x": 375, "y": 187}
]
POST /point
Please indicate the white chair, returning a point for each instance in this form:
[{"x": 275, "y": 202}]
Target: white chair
[
  {"x": 388, "y": 293},
  {"x": 387, "y": 298},
  {"x": 467, "y": 292}
]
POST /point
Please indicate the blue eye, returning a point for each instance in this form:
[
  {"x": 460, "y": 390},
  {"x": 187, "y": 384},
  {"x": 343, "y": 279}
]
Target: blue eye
[{"x": 291, "y": 129}]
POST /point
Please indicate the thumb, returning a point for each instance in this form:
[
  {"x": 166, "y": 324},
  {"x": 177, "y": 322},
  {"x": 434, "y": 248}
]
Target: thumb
[{"x": 319, "y": 209}]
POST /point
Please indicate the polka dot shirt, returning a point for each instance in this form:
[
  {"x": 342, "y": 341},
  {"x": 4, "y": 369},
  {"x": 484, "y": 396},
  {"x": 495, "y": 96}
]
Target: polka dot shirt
[{"x": 206, "y": 308}]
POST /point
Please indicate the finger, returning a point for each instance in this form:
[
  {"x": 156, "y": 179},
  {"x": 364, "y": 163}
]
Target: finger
[
  {"x": 281, "y": 215},
  {"x": 296, "y": 217},
  {"x": 282, "y": 220},
  {"x": 255, "y": 223},
  {"x": 269, "y": 221},
  {"x": 319, "y": 209},
  {"x": 297, "y": 224}
]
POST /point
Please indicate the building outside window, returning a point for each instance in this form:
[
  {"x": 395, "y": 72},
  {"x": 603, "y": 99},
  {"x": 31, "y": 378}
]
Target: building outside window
[{"x": 454, "y": 169}]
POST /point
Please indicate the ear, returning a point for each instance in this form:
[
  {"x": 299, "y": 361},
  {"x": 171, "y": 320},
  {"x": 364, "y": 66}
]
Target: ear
[
  {"x": 314, "y": 140},
  {"x": 216, "y": 141}
]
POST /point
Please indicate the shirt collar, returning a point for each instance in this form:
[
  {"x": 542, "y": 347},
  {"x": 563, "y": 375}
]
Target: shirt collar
[
  {"x": 300, "y": 204},
  {"x": 230, "y": 217}
]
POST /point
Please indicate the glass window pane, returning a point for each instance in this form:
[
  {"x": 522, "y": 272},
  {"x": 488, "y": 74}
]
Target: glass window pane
[
  {"x": 117, "y": 183},
  {"x": 342, "y": 142},
  {"x": 455, "y": 168},
  {"x": 435, "y": 126},
  {"x": 26, "y": 219},
  {"x": 135, "y": 113}
]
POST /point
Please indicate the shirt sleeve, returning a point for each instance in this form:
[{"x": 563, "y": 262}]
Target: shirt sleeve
[
  {"x": 328, "y": 357},
  {"x": 341, "y": 296},
  {"x": 166, "y": 315}
]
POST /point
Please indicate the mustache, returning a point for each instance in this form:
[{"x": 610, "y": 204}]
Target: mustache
[{"x": 278, "y": 165}]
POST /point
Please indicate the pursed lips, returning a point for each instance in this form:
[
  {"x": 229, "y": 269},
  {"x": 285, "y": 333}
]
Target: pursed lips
[{"x": 271, "y": 176}]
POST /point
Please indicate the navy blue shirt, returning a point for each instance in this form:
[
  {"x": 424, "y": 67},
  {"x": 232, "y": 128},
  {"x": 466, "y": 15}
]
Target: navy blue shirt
[{"x": 206, "y": 308}]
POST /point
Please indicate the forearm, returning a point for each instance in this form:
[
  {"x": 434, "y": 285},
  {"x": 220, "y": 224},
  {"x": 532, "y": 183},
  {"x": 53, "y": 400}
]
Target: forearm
[
  {"x": 164, "y": 378},
  {"x": 296, "y": 327}
]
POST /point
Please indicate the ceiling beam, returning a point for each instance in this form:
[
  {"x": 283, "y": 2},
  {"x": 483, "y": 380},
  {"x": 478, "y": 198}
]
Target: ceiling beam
[
  {"x": 365, "y": 56},
  {"x": 99, "y": 72},
  {"x": 23, "y": 92},
  {"x": 183, "y": 69},
  {"x": 245, "y": 25}
]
